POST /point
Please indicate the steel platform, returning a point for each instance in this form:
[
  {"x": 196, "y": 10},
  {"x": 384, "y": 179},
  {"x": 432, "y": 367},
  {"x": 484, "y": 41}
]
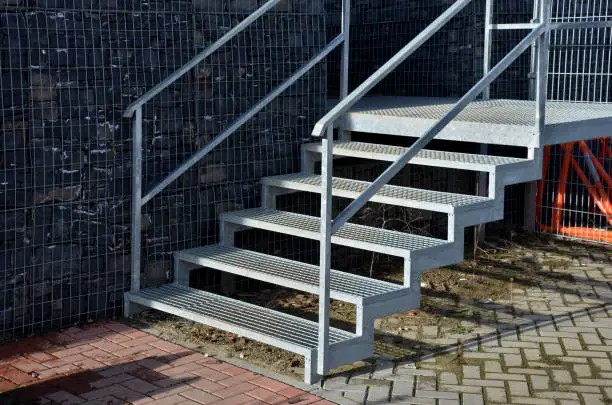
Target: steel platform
[{"x": 504, "y": 122}]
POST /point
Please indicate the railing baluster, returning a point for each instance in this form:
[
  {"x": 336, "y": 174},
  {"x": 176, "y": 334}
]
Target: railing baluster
[
  {"x": 325, "y": 249},
  {"x": 486, "y": 94},
  {"x": 136, "y": 198},
  {"x": 543, "y": 51}
]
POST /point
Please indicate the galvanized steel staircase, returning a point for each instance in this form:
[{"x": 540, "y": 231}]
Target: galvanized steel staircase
[{"x": 322, "y": 346}]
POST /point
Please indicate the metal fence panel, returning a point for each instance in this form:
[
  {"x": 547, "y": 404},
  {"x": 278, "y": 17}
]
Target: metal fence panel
[{"x": 68, "y": 68}]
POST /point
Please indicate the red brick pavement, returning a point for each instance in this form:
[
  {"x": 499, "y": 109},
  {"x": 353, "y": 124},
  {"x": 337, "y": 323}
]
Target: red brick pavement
[{"x": 114, "y": 364}]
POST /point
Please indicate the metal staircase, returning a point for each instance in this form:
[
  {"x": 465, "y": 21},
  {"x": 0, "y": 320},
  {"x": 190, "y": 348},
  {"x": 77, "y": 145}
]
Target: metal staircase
[{"x": 530, "y": 124}]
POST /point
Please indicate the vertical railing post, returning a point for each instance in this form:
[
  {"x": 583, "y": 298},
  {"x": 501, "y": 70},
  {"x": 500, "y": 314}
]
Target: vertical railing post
[
  {"x": 533, "y": 66},
  {"x": 136, "y": 198},
  {"x": 488, "y": 45},
  {"x": 542, "y": 51},
  {"x": 325, "y": 249},
  {"x": 345, "y": 58}
]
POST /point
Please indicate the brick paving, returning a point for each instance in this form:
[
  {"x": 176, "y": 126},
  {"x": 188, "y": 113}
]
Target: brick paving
[
  {"x": 111, "y": 363},
  {"x": 550, "y": 345}
]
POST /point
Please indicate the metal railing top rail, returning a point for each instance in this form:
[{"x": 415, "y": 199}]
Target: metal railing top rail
[
  {"x": 180, "y": 72},
  {"x": 539, "y": 29},
  {"x": 192, "y": 160},
  {"x": 357, "y": 94}
]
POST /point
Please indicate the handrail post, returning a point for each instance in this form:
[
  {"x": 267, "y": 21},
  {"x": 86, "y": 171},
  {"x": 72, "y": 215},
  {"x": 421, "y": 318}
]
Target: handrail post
[
  {"x": 345, "y": 58},
  {"x": 488, "y": 45},
  {"x": 136, "y": 199},
  {"x": 543, "y": 51},
  {"x": 325, "y": 249}
]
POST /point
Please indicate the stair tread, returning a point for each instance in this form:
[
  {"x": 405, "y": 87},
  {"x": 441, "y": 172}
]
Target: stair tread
[
  {"x": 237, "y": 316},
  {"x": 386, "y": 195},
  {"x": 425, "y": 156},
  {"x": 293, "y": 274},
  {"x": 351, "y": 234}
]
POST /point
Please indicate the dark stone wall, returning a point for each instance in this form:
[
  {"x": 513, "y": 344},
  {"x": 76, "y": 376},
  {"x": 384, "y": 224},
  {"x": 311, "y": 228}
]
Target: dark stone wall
[
  {"x": 68, "y": 70},
  {"x": 448, "y": 65}
]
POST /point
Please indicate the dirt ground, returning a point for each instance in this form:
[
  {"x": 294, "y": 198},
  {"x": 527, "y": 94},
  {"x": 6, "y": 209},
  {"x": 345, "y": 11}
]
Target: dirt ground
[{"x": 456, "y": 299}]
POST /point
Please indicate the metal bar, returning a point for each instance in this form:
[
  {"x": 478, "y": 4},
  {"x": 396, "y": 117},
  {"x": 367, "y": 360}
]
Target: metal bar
[
  {"x": 399, "y": 164},
  {"x": 515, "y": 26},
  {"x": 580, "y": 25},
  {"x": 176, "y": 173},
  {"x": 542, "y": 55},
  {"x": 344, "y": 105},
  {"x": 533, "y": 57},
  {"x": 325, "y": 249},
  {"x": 554, "y": 26},
  {"x": 345, "y": 58},
  {"x": 136, "y": 199},
  {"x": 346, "y": 29},
  {"x": 486, "y": 94},
  {"x": 199, "y": 57}
]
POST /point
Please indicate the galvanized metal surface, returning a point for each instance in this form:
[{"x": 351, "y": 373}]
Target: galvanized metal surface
[
  {"x": 529, "y": 122},
  {"x": 392, "y": 195},
  {"x": 360, "y": 236},
  {"x": 425, "y": 157},
  {"x": 387, "y": 68},
  {"x": 279, "y": 329},
  {"x": 289, "y": 273}
]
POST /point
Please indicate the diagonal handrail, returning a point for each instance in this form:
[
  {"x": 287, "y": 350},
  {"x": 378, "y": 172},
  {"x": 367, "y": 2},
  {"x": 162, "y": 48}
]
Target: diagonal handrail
[
  {"x": 431, "y": 133},
  {"x": 244, "y": 118},
  {"x": 187, "y": 67},
  {"x": 357, "y": 94}
]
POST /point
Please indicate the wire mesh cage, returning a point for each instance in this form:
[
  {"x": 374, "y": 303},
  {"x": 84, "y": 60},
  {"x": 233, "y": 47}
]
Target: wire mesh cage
[
  {"x": 574, "y": 195},
  {"x": 68, "y": 70}
]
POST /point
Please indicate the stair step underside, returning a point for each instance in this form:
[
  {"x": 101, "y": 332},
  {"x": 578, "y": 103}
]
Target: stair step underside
[
  {"x": 393, "y": 195},
  {"x": 262, "y": 324},
  {"x": 426, "y": 157},
  {"x": 289, "y": 273},
  {"x": 357, "y": 236}
]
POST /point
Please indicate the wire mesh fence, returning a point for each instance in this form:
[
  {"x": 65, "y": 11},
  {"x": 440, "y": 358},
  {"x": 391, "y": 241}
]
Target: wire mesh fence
[
  {"x": 68, "y": 70},
  {"x": 574, "y": 195}
]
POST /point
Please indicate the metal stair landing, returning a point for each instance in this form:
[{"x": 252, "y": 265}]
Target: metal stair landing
[{"x": 505, "y": 122}]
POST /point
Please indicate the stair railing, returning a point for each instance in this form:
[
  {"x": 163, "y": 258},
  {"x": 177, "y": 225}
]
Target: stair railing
[
  {"x": 539, "y": 35},
  {"x": 134, "y": 111}
]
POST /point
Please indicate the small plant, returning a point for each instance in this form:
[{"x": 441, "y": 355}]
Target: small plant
[{"x": 462, "y": 330}]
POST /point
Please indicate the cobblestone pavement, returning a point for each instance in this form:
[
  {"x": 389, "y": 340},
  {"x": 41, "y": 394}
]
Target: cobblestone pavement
[
  {"x": 551, "y": 345},
  {"x": 111, "y": 363}
]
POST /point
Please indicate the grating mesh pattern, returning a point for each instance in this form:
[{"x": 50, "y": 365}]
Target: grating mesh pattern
[
  {"x": 386, "y": 195},
  {"x": 258, "y": 263},
  {"x": 502, "y": 112},
  {"x": 436, "y": 157},
  {"x": 308, "y": 227},
  {"x": 251, "y": 317}
]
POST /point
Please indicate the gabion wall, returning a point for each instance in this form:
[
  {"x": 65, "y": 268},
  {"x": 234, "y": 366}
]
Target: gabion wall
[{"x": 68, "y": 70}]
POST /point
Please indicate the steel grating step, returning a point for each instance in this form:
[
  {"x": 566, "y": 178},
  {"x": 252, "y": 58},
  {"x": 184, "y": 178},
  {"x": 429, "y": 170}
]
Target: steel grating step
[
  {"x": 426, "y": 157},
  {"x": 289, "y": 273},
  {"x": 394, "y": 195},
  {"x": 262, "y": 324},
  {"x": 353, "y": 235}
]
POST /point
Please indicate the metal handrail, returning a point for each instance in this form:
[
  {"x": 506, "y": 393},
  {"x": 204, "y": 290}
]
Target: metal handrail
[
  {"x": 357, "y": 94},
  {"x": 192, "y": 160},
  {"x": 540, "y": 30},
  {"x": 134, "y": 111},
  {"x": 420, "y": 143},
  {"x": 158, "y": 88}
]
